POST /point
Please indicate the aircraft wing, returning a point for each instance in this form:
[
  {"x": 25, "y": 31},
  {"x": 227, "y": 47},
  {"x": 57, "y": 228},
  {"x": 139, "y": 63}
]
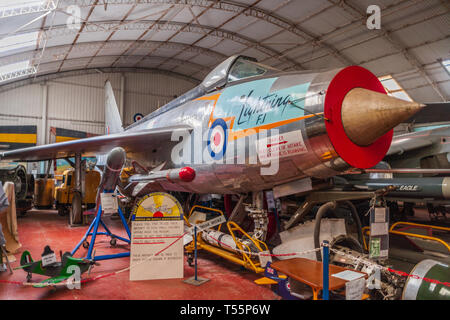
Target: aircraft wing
[
  {"x": 131, "y": 141},
  {"x": 409, "y": 142}
]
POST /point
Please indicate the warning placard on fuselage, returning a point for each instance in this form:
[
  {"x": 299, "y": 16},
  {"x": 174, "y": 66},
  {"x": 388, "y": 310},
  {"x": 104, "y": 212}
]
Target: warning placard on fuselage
[{"x": 281, "y": 146}]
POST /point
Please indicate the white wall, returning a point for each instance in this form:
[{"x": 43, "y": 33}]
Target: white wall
[{"x": 77, "y": 102}]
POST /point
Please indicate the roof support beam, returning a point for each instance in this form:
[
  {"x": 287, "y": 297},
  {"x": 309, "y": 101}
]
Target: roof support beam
[
  {"x": 78, "y": 33},
  {"x": 397, "y": 44},
  {"x": 62, "y": 30},
  {"x": 57, "y": 53},
  {"x": 78, "y": 72},
  {"x": 178, "y": 32},
  {"x": 218, "y": 27},
  {"x": 112, "y": 33}
]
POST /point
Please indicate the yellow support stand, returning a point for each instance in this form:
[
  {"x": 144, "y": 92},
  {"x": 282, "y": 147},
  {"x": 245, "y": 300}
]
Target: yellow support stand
[
  {"x": 366, "y": 231},
  {"x": 244, "y": 258}
]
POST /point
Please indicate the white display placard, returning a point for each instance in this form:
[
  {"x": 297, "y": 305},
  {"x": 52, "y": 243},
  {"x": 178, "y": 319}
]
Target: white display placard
[
  {"x": 155, "y": 251},
  {"x": 354, "y": 289},
  {"x": 264, "y": 257},
  {"x": 197, "y": 216},
  {"x": 281, "y": 146},
  {"x": 348, "y": 275},
  {"x": 209, "y": 224},
  {"x": 48, "y": 259},
  {"x": 109, "y": 202},
  {"x": 380, "y": 215},
  {"x": 379, "y": 229}
]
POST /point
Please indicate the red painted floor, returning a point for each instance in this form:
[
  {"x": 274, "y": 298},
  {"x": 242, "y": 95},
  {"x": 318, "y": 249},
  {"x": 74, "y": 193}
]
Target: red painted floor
[{"x": 40, "y": 228}]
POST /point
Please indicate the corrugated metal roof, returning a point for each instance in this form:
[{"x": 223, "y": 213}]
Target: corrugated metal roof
[{"x": 190, "y": 37}]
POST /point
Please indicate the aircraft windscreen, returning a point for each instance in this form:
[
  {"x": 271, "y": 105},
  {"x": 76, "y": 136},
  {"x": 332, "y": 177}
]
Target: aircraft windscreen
[{"x": 244, "y": 68}]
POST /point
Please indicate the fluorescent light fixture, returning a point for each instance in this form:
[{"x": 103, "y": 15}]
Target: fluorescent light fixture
[
  {"x": 393, "y": 88},
  {"x": 14, "y": 67},
  {"x": 18, "y": 41}
]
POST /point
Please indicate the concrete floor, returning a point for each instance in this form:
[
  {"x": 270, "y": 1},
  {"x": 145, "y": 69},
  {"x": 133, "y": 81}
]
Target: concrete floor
[{"x": 40, "y": 228}]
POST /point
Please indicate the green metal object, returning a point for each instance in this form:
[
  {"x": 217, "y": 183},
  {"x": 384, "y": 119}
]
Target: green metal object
[
  {"x": 58, "y": 271},
  {"x": 419, "y": 289}
]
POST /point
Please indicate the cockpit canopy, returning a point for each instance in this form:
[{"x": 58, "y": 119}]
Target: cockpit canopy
[{"x": 233, "y": 69}]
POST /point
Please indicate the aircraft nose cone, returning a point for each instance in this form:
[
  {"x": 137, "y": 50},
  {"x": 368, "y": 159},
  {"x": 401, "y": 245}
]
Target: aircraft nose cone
[{"x": 367, "y": 115}]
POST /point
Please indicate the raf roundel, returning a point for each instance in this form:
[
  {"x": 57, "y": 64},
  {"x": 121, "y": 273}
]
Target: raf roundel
[
  {"x": 137, "y": 117},
  {"x": 217, "y": 139}
]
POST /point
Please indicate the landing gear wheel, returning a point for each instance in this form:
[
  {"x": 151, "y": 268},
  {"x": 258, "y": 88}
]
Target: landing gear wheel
[
  {"x": 85, "y": 244},
  {"x": 190, "y": 259},
  {"x": 113, "y": 242}
]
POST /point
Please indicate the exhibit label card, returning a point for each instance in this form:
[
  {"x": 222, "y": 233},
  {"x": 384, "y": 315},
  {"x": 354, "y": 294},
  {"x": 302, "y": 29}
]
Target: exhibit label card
[
  {"x": 149, "y": 238},
  {"x": 109, "y": 202},
  {"x": 157, "y": 230}
]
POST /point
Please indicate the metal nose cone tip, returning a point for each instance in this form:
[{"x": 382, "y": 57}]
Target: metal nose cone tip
[{"x": 367, "y": 115}]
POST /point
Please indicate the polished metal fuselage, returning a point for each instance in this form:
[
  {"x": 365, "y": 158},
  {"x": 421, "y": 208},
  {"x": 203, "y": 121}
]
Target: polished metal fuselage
[{"x": 227, "y": 175}]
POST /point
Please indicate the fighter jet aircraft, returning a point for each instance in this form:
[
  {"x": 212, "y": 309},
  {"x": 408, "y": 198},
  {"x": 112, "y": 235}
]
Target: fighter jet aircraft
[{"x": 247, "y": 127}]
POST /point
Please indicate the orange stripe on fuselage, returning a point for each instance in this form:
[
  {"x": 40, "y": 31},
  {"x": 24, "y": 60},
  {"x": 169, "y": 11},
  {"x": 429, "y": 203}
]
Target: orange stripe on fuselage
[
  {"x": 249, "y": 131},
  {"x": 214, "y": 98}
]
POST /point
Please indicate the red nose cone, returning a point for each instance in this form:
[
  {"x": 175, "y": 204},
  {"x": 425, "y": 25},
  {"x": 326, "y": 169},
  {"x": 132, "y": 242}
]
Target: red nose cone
[{"x": 187, "y": 174}]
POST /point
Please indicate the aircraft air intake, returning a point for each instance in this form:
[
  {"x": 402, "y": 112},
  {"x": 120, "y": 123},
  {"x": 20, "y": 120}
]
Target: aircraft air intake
[
  {"x": 360, "y": 116},
  {"x": 367, "y": 115}
]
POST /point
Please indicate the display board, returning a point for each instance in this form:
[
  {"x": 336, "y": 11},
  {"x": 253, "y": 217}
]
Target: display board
[
  {"x": 16, "y": 137},
  {"x": 156, "y": 238},
  {"x": 62, "y": 135},
  {"x": 379, "y": 233}
]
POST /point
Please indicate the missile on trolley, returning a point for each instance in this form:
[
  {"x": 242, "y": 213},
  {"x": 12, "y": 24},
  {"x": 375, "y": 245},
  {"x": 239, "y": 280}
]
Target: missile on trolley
[
  {"x": 115, "y": 161},
  {"x": 425, "y": 187}
]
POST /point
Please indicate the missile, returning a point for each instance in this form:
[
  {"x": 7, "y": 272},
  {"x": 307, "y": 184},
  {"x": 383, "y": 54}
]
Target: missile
[
  {"x": 113, "y": 167},
  {"x": 140, "y": 184},
  {"x": 186, "y": 174},
  {"x": 425, "y": 187}
]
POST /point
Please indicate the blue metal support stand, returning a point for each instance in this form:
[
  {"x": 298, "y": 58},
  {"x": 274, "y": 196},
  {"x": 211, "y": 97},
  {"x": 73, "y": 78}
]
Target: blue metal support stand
[
  {"x": 94, "y": 226},
  {"x": 195, "y": 280},
  {"x": 325, "y": 271},
  {"x": 195, "y": 252}
]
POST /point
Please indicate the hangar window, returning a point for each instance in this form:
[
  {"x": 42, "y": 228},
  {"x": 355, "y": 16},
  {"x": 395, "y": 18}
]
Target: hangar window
[
  {"x": 19, "y": 41},
  {"x": 393, "y": 88}
]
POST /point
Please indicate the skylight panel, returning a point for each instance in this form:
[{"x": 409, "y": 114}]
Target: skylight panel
[
  {"x": 18, "y": 41},
  {"x": 16, "y": 70},
  {"x": 10, "y": 8},
  {"x": 393, "y": 88},
  {"x": 446, "y": 65},
  {"x": 16, "y": 4},
  {"x": 9, "y": 68}
]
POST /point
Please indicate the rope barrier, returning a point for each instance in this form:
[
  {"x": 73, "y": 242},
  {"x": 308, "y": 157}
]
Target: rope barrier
[
  {"x": 356, "y": 259},
  {"x": 68, "y": 281}
]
